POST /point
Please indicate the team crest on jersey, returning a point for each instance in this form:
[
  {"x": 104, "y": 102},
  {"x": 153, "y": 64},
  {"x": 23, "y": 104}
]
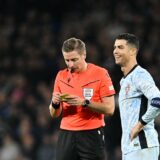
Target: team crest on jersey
[
  {"x": 87, "y": 93},
  {"x": 127, "y": 89}
]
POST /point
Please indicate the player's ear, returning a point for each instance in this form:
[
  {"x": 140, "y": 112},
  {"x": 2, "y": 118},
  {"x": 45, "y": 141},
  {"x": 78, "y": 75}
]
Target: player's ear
[{"x": 133, "y": 51}]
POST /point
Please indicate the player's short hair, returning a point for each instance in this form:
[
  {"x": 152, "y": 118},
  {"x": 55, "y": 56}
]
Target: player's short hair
[
  {"x": 130, "y": 38},
  {"x": 72, "y": 44}
]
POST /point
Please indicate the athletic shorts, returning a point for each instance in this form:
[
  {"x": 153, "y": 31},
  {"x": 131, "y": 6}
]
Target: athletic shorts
[
  {"x": 143, "y": 154},
  {"x": 81, "y": 145}
]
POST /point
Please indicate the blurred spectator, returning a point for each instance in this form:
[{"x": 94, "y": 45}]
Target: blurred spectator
[
  {"x": 46, "y": 151},
  {"x": 10, "y": 149},
  {"x": 31, "y": 35}
]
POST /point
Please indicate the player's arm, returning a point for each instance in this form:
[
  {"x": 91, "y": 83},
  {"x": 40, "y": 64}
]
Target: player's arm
[
  {"x": 135, "y": 130},
  {"x": 152, "y": 93},
  {"x": 151, "y": 113}
]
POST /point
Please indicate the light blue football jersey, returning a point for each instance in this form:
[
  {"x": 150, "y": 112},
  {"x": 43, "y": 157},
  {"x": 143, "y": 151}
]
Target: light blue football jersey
[{"x": 136, "y": 92}]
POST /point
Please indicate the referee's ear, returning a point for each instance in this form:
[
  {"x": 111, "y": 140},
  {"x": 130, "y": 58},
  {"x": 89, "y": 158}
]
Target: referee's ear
[{"x": 84, "y": 55}]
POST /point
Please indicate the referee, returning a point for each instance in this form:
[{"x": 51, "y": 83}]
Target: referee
[{"x": 83, "y": 93}]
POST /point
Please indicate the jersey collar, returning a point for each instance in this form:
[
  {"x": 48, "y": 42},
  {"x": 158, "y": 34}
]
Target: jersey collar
[{"x": 130, "y": 71}]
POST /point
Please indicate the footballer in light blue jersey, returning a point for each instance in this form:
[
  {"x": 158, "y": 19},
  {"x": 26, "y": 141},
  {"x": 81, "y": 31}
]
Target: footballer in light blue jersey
[
  {"x": 139, "y": 102},
  {"x": 136, "y": 94}
]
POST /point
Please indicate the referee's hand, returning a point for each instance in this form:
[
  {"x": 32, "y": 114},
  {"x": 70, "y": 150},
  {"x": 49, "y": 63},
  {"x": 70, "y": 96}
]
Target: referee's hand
[{"x": 56, "y": 98}]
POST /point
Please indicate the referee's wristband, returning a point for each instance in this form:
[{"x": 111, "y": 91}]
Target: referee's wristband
[{"x": 55, "y": 106}]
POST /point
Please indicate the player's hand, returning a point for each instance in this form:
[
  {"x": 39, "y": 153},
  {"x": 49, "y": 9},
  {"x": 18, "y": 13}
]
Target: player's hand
[{"x": 135, "y": 130}]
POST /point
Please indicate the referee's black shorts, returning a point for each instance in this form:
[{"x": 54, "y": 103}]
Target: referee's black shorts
[{"x": 81, "y": 145}]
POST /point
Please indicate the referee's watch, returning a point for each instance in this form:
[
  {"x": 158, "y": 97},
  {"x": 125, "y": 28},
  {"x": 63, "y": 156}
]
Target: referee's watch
[{"x": 86, "y": 103}]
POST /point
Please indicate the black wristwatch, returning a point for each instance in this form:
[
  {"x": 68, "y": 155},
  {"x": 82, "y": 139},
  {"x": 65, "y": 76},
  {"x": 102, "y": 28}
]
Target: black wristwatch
[{"x": 86, "y": 103}]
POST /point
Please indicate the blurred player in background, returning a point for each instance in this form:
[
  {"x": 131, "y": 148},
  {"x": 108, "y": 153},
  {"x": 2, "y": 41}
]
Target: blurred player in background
[
  {"x": 84, "y": 93},
  {"x": 139, "y": 102}
]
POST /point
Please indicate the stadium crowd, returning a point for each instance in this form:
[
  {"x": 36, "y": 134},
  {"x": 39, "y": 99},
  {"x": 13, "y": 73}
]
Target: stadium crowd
[{"x": 31, "y": 35}]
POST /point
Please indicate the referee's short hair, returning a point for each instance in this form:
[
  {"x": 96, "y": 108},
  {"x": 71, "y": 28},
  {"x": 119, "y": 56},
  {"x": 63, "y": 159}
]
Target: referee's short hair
[{"x": 72, "y": 44}]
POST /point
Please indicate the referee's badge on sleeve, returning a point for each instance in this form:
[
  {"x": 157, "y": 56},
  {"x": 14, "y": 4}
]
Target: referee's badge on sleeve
[{"x": 87, "y": 93}]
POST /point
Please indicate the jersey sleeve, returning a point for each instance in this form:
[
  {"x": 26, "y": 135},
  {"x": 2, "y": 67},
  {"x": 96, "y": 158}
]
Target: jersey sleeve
[
  {"x": 146, "y": 85},
  {"x": 106, "y": 86}
]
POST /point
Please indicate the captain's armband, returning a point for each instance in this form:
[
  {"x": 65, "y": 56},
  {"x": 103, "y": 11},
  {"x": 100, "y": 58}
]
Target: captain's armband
[{"x": 155, "y": 102}]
